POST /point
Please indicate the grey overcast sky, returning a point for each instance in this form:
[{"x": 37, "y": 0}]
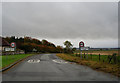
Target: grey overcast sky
[{"x": 95, "y": 23}]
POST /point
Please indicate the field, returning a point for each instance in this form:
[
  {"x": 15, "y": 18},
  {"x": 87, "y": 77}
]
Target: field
[
  {"x": 9, "y": 59},
  {"x": 100, "y": 55},
  {"x": 98, "y": 58},
  {"x": 94, "y": 63}
]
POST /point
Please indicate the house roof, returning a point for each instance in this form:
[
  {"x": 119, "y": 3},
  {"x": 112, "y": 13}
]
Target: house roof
[{"x": 3, "y": 42}]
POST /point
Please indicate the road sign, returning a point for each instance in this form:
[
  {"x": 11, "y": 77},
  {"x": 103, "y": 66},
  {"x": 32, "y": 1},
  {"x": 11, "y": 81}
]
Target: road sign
[
  {"x": 81, "y": 44},
  {"x": 9, "y": 49},
  {"x": 13, "y": 45},
  {"x": 85, "y": 48}
]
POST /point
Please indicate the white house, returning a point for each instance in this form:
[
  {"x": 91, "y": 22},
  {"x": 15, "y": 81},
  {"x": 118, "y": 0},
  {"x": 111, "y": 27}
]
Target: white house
[{"x": 3, "y": 45}]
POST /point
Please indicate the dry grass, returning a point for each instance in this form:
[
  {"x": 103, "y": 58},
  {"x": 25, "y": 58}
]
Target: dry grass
[{"x": 109, "y": 68}]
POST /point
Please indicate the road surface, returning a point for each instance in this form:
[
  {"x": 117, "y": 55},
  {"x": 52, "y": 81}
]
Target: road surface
[{"x": 48, "y": 67}]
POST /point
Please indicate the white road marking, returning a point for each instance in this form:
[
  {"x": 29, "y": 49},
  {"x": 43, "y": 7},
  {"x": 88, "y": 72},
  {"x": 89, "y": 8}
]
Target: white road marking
[
  {"x": 59, "y": 61},
  {"x": 33, "y": 61}
]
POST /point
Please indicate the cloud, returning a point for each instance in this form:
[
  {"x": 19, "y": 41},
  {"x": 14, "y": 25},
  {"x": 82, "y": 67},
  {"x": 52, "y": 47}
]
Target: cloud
[
  {"x": 62, "y": 20},
  {"x": 0, "y": 19},
  {"x": 100, "y": 43}
]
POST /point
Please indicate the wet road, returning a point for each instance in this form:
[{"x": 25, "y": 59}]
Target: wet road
[{"x": 48, "y": 67}]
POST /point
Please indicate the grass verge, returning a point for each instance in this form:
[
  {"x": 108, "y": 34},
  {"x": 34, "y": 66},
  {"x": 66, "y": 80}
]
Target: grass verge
[
  {"x": 100, "y": 66},
  {"x": 6, "y": 60}
]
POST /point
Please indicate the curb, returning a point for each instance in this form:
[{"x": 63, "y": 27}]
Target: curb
[{"x": 11, "y": 65}]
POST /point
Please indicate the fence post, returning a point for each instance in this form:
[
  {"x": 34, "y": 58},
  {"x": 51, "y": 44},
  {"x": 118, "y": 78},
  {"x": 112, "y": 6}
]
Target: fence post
[
  {"x": 103, "y": 61},
  {"x": 109, "y": 58},
  {"x": 76, "y": 54},
  {"x": 114, "y": 57},
  {"x": 91, "y": 56},
  {"x": 84, "y": 55},
  {"x": 79, "y": 55}
]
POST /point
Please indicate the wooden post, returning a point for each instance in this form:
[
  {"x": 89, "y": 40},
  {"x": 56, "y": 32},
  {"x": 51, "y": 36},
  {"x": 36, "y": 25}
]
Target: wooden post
[
  {"x": 114, "y": 57},
  {"x": 110, "y": 58},
  {"x": 76, "y": 54},
  {"x": 79, "y": 55},
  {"x": 84, "y": 55},
  {"x": 91, "y": 56},
  {"x": 103, "y": 61}
]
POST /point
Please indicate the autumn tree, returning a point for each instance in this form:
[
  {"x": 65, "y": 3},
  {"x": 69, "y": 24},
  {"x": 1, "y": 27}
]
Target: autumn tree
[
  {"x": 68, "y": 44},
  {"x": 36, "y": 41},
  {"x": 28, "y": 44},
  {"x": 44, "y": 42},
  {"x": 68, "y": 47},
  {"x": 59, "y": 49}
]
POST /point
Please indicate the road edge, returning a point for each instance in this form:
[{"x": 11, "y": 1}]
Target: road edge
[{"x": 13, "y": 64}]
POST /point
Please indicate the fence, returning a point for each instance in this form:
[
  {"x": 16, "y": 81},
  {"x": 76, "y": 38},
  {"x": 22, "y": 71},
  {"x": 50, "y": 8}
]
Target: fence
[{"x": 111, "y": 59}]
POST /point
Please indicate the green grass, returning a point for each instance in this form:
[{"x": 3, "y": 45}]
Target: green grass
[{"x": 6, "y": 60}]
